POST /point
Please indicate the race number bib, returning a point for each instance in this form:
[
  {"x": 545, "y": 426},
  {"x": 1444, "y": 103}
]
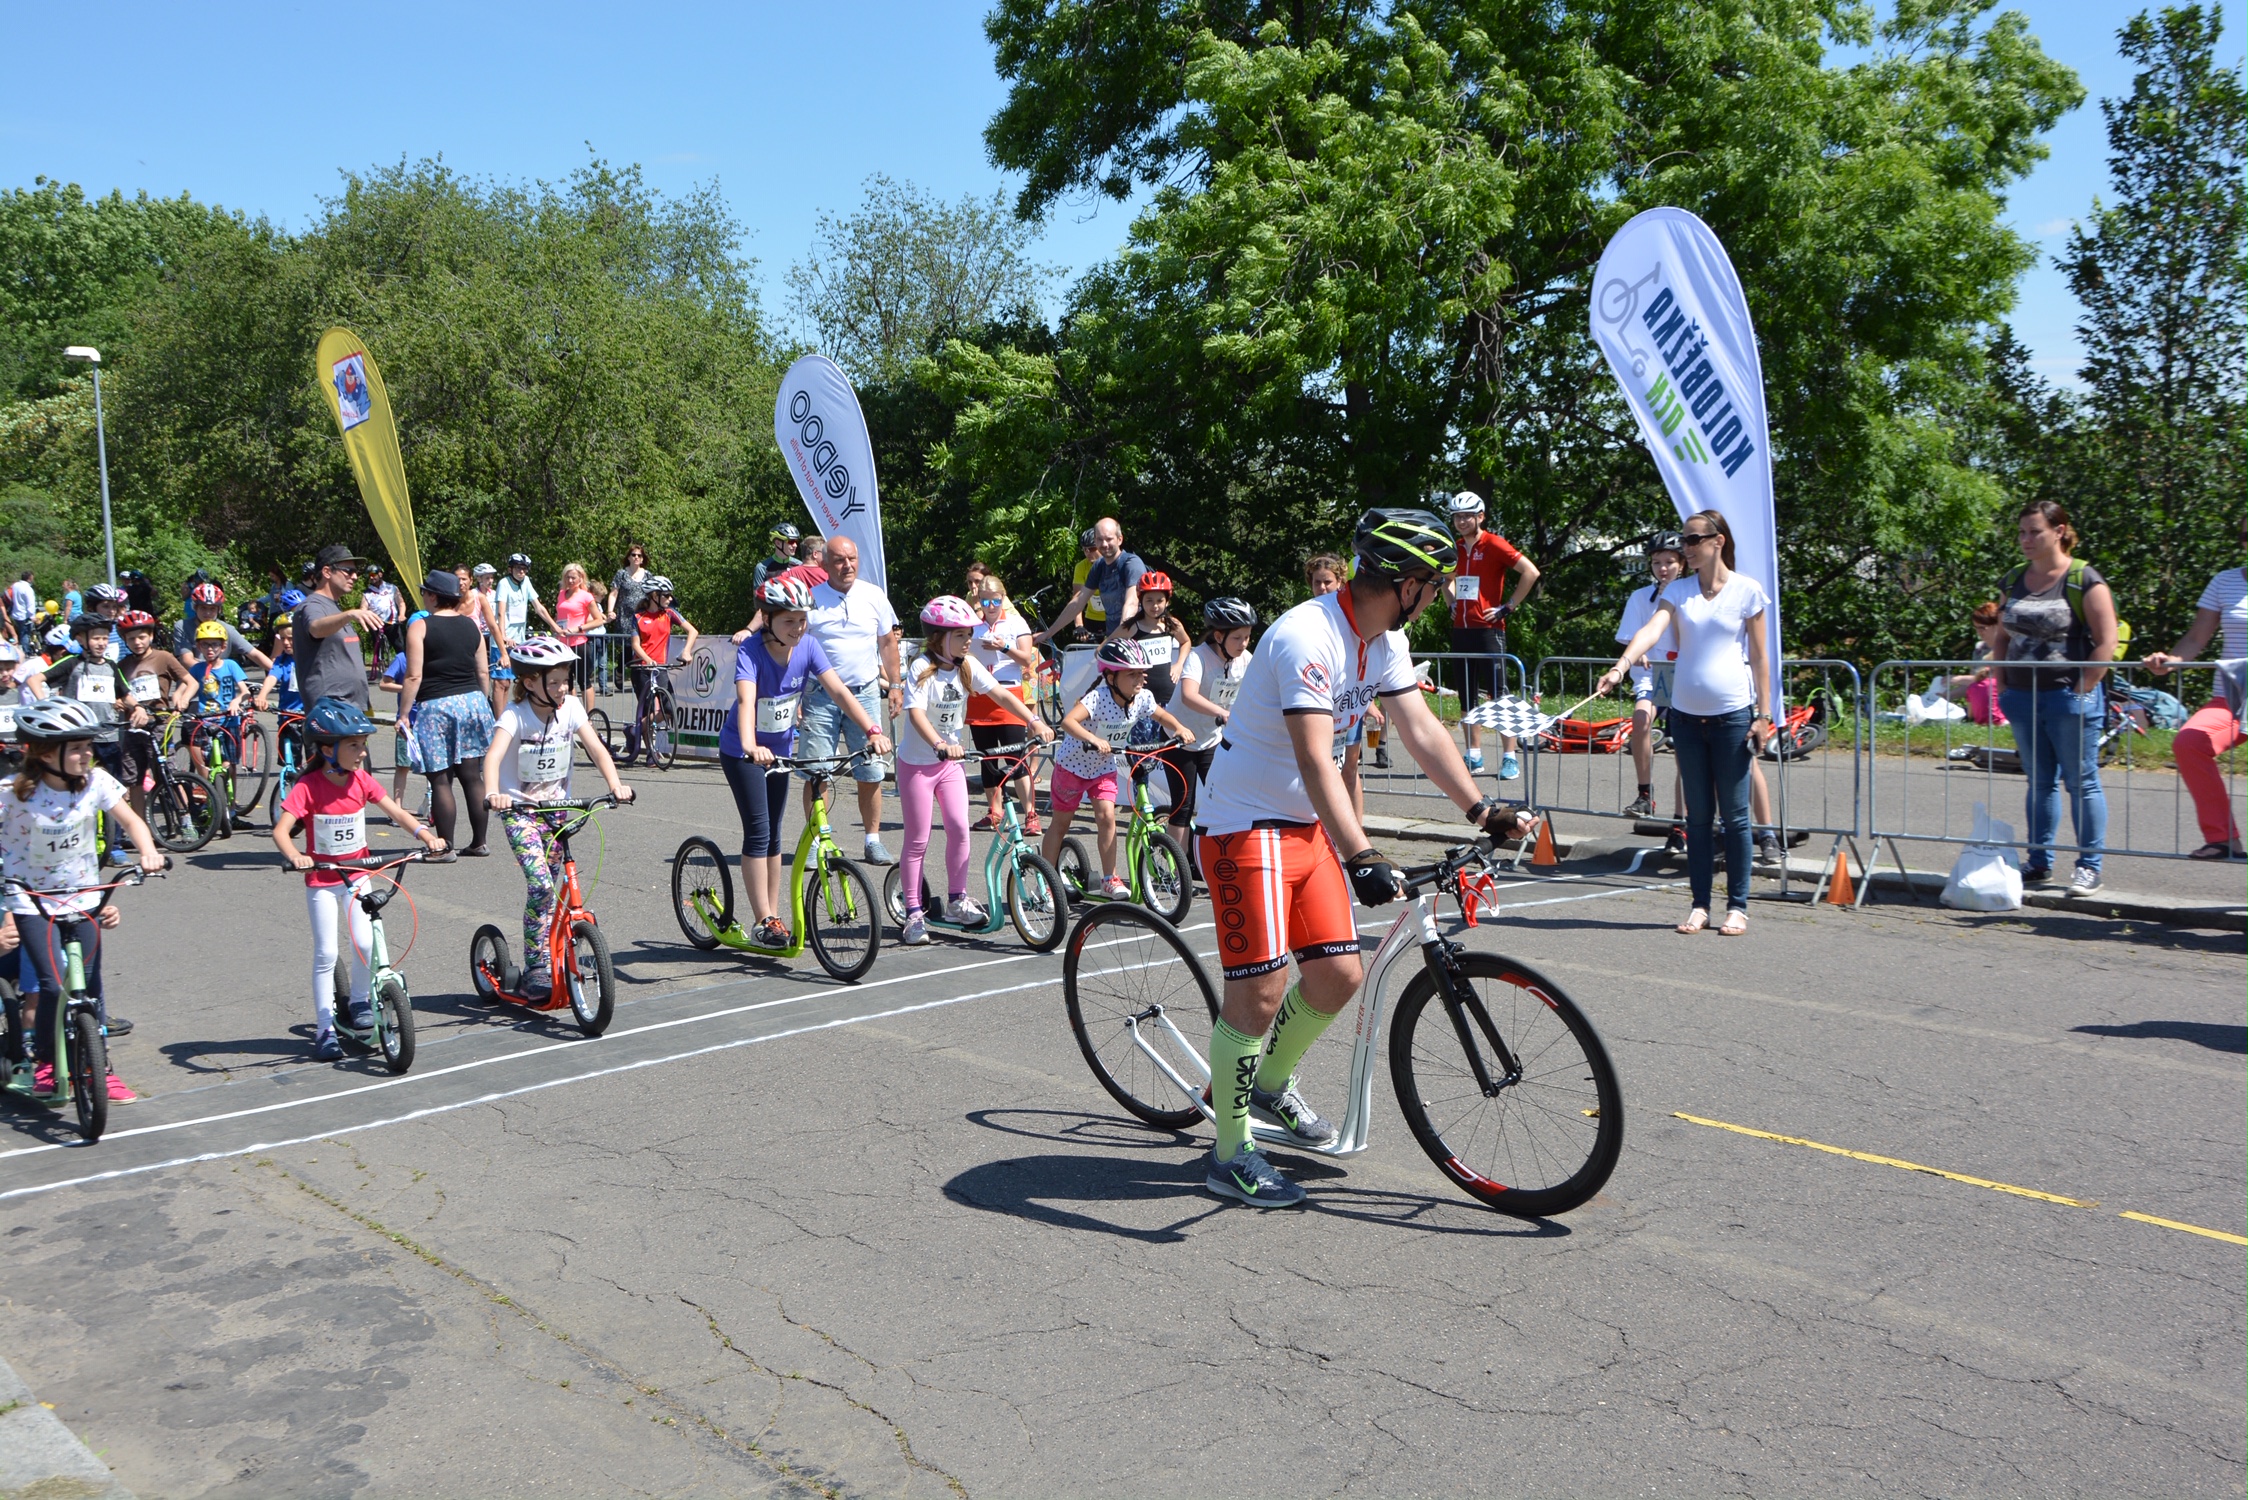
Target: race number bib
[
  {"x": 146, "y": 689},
  {"x": 1225, "y": 691},
  {"x": 7, "y": 719},
  {"x": 97, "y": 687},
  {"x": 1467, "y": 587},
  {"x": 945, "y": 716},
  {"x": 339, "y": 835},
  {"x": 61, "y": 852},
  {"x": 538, "y": 762},
  {"x": 777, "y": 715},
  {"x": 1159, "y": 648}
]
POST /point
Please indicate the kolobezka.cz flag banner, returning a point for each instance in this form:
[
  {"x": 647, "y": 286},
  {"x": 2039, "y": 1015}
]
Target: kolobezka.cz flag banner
[
  {"x": 346, "y": 374},
  {"x": 1668, "y": 313}
]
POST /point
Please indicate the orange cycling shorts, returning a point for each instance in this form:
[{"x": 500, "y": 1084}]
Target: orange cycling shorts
[{"x": 1277, "y": 890}]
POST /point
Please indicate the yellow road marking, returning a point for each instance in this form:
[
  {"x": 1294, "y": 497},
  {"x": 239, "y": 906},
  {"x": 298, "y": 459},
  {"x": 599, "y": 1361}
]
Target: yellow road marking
[
  {"x": 1891, "y": 1161},
  {"x": 1984, "y": 1182},
  {"x": 2215, "y": 1234}
]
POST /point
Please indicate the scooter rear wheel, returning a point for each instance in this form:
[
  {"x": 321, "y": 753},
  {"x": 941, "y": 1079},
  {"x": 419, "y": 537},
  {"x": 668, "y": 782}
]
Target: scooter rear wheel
[{"x": 489, "y": 969}]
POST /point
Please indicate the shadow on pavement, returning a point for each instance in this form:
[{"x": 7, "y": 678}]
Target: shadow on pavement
[
  {"x": 1068, "y": 1191},
  {"x": 2217, "y": 1038}
]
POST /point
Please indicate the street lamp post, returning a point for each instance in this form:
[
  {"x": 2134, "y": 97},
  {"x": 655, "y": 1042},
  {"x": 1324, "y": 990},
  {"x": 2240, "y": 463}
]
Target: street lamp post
[{"x": 92, "y": 356}]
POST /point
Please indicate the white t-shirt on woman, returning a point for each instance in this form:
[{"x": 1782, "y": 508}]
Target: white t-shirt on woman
[
  {"x": 1713, "y": 676},
  {"x": 2227, "y": 594}
]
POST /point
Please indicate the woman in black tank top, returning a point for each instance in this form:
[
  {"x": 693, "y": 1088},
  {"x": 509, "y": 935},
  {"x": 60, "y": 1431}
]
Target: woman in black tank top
[{"x": 445, "y": 708}]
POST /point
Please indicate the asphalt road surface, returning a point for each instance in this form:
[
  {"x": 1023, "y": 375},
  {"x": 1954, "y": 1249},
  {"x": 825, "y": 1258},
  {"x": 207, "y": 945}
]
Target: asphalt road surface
[{"x": 772, "y": 1235}]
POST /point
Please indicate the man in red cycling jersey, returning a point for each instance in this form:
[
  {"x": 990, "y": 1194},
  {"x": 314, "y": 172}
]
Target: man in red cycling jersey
[
  {"x": 1480, "y": 607},
  {"x": 1274, "y": 812}
]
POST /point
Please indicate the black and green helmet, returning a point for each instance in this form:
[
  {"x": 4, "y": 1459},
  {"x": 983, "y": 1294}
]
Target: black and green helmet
[{"x": 1396, "y": 542}]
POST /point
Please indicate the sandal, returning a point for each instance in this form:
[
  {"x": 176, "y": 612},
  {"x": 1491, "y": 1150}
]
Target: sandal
[
  {"x": 2212, "y": 851},
  {"x": 1736, "y": 923},
  {"x": 1695, "y": 921}
]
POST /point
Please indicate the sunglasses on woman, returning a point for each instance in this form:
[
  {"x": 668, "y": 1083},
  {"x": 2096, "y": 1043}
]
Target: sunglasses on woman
[{"x": 1696, "y": 538}]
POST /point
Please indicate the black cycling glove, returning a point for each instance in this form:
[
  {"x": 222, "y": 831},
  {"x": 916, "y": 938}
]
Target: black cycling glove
[
  {"x": 1373, "y": 879},
  {"x": 1494, "y": 817}
]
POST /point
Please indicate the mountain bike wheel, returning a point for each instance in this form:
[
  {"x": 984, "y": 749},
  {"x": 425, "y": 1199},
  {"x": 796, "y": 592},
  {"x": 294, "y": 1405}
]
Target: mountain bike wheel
[
  {"x": 592, "y": 979},
  {"x": 183, "y": 810},
  {"x": 663, "y": 734},
  {"x": 489, "y": 969},
  {"x": 1050, "y": 705},
  {"x": 602, "y": 731},
  {"x": 1128, "y": 975},
  {"x": 89, "y": 1073},
  {"x": 1545, "y": 1135},
  {"x": 1166, "y": 879},
  {"x": 394, "y": 1014},
  {"x": 840, "y": 920},
  {"x": 1036, "y": 902},
  {"x": 252, "y": 763},
  {"x": 699, "y": 869},
  {"x": 1075, "y": 869}
]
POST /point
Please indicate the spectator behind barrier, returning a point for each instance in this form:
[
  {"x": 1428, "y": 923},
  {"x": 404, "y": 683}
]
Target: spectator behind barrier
[
  {"x": 2215, "y": 726},
  {"x": 2056, "y": 607}
]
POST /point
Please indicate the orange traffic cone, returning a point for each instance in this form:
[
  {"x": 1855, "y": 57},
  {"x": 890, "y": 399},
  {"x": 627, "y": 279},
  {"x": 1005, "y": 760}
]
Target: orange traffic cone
[
  {"x": 1543, "y": 854},
  {"x": 1840, "y": 890}
]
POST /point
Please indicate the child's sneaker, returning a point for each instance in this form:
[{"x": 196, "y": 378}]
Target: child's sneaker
[
  {"x": 325, "y": 1047},
  {"x": 916, "y": 929},
  {"x": 770, "y": 934},
  {"x": 538, "y": 983},
  {"x": 966, "y": 911},
  {"x": 119, "y": 1093},
  {"x": 43, "y": 1079},
  {"x": 1115, "y": 889}
]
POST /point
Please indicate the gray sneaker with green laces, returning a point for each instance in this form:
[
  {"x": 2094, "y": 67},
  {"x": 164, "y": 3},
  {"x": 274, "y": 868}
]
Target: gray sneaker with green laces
[
  {"x": 1288, "y": 1109},
  {"x": 1249, "y": 1178}
]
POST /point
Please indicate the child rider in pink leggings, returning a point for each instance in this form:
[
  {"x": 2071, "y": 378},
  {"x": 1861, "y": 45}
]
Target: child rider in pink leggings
[{"x": 938, "y": 681}]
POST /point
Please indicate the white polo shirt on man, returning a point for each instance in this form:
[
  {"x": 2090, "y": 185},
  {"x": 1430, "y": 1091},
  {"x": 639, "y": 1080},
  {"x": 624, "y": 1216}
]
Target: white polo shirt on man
[{"x": 850, "y": 627}]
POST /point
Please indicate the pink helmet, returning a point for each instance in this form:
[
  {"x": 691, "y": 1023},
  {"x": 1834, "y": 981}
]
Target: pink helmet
[{"x": 948, "y": 612}]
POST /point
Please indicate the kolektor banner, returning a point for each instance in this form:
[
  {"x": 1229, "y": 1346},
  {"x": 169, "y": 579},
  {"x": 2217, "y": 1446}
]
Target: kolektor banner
[
  {"x": 1668, "y": 313},
  {"x": 346, "y": 375},
  {"x": 823, "y": 437}
]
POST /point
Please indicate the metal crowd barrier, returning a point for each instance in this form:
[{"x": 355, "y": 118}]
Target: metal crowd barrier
[
  {"x": 1925, "y": 774},
  {"x": 1448, "y": 673},
  {"x": 1813, "y": 783}
]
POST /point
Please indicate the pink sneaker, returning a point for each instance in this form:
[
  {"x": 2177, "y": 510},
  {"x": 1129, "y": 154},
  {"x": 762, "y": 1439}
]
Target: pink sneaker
[
  {"x": 118, "y": 1092},
  {"x": 1115, "y": 889},
  {"x": 43, "y": 1079}
]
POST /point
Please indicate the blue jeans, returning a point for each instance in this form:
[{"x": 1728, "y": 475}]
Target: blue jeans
[
  {"x": 1713, "y": 763},
  {"x": 2058, "y": 735},
  {"x": 825, "y": 733}
]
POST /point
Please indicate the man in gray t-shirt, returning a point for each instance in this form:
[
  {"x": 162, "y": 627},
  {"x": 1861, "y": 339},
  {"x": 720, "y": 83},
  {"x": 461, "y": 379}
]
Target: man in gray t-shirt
[{"x": 326, "y": 635}]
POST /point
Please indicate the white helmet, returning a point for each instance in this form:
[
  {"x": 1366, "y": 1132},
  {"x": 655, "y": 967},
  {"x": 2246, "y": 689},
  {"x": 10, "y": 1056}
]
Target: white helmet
[
  {"x": 539, "y": 652},
  {"x": 1467, "y": 503},
  {"x": 57, "y": 718}
]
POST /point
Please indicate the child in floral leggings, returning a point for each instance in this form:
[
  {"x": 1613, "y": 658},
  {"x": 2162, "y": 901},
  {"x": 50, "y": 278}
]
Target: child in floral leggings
[{"x": 528, "y": 764}]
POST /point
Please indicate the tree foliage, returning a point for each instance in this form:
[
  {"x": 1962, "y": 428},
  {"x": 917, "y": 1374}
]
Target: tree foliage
[
  {"x": 1363, "y": 273},
  {"x": 2161, "y": 272},
  {"x": 887, "y": 283}
]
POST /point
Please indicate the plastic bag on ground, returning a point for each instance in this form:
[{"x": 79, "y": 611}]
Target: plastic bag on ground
[{"x": 1986, "y": 877}]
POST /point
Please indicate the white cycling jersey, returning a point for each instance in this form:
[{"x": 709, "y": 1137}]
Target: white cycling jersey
[{"x": 1311, "y": 661}]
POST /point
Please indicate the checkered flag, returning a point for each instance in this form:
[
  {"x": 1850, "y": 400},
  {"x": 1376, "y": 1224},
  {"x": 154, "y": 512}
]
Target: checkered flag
[{"x": 1511, "y": 716}]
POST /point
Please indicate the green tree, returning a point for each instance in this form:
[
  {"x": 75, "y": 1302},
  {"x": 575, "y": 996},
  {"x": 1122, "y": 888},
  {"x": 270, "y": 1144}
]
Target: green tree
[
  {"x": 1364, "y": 269},
  {"x": 887, "y": 283},
  {"x": 2160, "y": 272}
]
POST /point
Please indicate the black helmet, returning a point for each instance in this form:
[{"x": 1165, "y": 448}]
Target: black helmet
[
  {"x": 336, "y": 718},
  {"x": 1228, "y": 613},
  {"x": 519, "y": 559},
  {"x": 1396, "y": 542}
]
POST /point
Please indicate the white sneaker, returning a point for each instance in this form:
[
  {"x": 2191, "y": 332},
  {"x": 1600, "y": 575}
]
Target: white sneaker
[
  {"x": 966, "y": 911},
  {"x": 874, "y": 853},
  {"x": 916, "y": 930}
]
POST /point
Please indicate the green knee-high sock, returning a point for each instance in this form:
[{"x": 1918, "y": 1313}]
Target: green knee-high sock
[
  {"x": 1297, "y": 1027},
  {"x": 1233, "y": 1063}
]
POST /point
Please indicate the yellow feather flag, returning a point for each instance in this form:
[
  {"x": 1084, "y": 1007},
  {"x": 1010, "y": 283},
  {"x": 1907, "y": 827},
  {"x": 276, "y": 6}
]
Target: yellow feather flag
[{"x": 346, "y": 373}]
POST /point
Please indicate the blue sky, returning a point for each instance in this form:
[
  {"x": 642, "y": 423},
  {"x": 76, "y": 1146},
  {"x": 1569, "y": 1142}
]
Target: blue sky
[{"x": 788, "y": 107}]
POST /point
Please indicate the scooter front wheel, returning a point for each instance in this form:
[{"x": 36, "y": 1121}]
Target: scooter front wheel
[{"x": 592, "y": 979}]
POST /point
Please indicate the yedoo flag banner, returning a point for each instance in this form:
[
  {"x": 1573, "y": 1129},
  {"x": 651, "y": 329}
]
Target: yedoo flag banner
[
  {"x": 1668, "y": 313},
  {"x": 823, "y": 437},
  {"x": 346, "y": 375}
]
